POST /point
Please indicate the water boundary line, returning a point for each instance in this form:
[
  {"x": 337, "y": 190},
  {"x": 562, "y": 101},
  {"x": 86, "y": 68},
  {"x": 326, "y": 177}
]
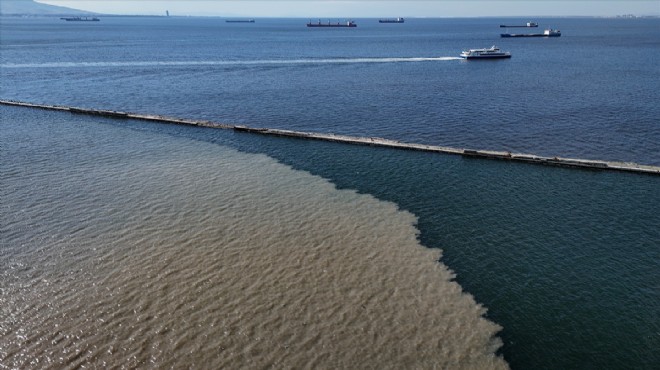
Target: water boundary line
[{"x": 372, "y": 141}]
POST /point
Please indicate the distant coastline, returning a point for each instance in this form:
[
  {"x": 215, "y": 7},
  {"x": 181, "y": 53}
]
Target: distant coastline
[
  {"x": 28, "y": 8},
  {"x": 369, "y": 18}
]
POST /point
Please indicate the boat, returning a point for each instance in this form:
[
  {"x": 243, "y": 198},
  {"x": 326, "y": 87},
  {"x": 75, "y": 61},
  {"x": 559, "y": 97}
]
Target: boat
[
  {"x": 397, "y": 20},
  {"x": 239, "y": 20},
  {"x": 547, "y": 33},
  {"x": 528, "y": 24},
  {"x": 329, "y": 24},
  {"x": 491, "y": 53},
  {"x": 80, "y": 19}
]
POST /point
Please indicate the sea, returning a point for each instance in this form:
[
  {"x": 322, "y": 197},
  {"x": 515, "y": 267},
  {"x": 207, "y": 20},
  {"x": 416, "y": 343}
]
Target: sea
[{"x": 131, "y": 244}]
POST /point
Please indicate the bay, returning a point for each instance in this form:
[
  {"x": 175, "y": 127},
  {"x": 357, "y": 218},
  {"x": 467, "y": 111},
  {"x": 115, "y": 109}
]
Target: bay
[{"x": 565, "y": 261}]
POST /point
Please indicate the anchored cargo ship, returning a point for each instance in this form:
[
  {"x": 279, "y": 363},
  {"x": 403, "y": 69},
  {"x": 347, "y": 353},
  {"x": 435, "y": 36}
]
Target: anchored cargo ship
[
  {"x": 397, "y": 20},
  {"x": 547, "y": 33},
  {"x": 492, "y": 53},
  {"x": 239, "y": 20},
  {"x": 80, "y": 19},
  {"x": 528, "y": 24},
  {"x": 329, "y": 24}
]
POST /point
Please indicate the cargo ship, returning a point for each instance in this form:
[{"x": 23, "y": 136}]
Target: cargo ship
[
  {"x": 329, "y": 24},
  {"x": 546, "y": 33},
  {"x": 528, "y": 24},
  {"x": 239, "y": 20},
  {"x": 397, "y": 20},
  {"x": 491, "y": 53},
  {"x": 80, "y": 19}
]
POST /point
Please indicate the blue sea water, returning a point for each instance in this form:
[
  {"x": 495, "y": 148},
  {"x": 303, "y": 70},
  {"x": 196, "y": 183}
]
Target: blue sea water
[
  {"x": 587, "y": 94},
  {"x": 565, "y": 260}
]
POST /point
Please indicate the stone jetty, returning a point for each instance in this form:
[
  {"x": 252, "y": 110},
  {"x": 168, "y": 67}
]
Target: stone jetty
[{"x": 373, "y": 141}]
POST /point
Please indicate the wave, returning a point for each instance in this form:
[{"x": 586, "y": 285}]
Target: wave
[
  {"x": 226, "y": 62},
  {"x": 195, "y": 253}
]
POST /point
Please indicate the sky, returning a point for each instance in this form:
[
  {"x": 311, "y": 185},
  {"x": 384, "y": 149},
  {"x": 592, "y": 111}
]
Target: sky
[{"x": 367, "y": 8}]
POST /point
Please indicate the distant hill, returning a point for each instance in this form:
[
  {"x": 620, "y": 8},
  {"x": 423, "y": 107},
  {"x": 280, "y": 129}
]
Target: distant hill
[{"x": 31, "y": 7}]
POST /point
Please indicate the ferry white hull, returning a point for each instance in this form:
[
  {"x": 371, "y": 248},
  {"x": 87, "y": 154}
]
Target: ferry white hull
[
  {"x": 491, "y": 53},
  {"x": 503, "y": 56}
]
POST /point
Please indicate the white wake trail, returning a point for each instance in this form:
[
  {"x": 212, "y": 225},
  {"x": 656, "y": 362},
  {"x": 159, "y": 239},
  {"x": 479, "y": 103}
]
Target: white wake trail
[{"x": 225, "y": 62}]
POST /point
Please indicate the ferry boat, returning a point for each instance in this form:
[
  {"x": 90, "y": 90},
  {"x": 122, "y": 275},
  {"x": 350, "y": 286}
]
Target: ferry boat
[
  {"x": 528, "y": 24},
  {"x": 329, "y": 24},
  {"x": 398, "y": 20},
  {"x": 492, "y": 53},
  {"x": 547, "y": 33}
]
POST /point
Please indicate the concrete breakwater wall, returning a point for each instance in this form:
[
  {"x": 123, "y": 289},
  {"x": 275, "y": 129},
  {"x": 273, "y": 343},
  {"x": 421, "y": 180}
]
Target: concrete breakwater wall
[{"x": 373, "y": 141}]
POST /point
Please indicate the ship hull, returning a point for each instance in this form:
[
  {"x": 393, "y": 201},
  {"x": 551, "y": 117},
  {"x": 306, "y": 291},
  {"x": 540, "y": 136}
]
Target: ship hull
[
  {"x": 529, "y": 35},
  {"x": 78, "y": 19},
  {"x": 505, "y": 56},
  {"x": 332, "y": 25}
]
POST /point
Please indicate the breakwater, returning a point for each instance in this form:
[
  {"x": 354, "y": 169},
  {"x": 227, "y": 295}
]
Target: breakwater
[{"x": 373, "y": 141}]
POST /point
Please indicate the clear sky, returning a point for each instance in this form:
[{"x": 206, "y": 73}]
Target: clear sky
[{"x": 367, "y": 8}]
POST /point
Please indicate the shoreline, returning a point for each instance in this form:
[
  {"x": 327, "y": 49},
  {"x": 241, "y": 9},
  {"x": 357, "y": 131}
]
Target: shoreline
[{"x": 356, "y": 140}]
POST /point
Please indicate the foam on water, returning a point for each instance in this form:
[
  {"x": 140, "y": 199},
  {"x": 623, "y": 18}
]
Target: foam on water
[
  {"x": 128, "y": 248},
  {"x": 225, "y": 62}
]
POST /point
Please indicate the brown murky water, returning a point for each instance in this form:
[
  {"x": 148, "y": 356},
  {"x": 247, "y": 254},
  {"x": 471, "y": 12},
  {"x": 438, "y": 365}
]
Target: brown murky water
[{"x": 123, "y": 248}]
